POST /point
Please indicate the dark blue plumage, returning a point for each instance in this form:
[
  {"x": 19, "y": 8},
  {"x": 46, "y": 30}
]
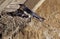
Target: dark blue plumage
[{"x": 26, "y": 9}]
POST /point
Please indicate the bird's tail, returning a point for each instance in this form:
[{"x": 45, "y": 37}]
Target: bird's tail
[{"x": 38, "y": 17}]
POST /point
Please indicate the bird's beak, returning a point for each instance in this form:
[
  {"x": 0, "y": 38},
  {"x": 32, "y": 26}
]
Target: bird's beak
[{"x": 21, "y": 4}]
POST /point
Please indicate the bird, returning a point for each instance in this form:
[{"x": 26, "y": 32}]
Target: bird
[
  {"x": 24, "y": 12},
  {"x": 28, "y": 11}
]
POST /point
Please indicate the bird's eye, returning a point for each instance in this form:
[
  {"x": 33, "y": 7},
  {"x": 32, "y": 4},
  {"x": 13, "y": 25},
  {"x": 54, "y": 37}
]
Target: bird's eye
[{"x": 0, "y": 16}]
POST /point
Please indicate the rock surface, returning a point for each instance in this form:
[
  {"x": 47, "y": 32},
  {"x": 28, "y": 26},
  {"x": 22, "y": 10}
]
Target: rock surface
[{"x": 49, "y": 29}]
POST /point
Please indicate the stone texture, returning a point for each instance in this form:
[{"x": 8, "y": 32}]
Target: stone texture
[
  {"x": 14, "y": 5},
  {"x": 49, "y": 29}
]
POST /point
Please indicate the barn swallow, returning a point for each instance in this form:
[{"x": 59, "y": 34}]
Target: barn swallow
[
  {"x": 22, "y": 13},
  {"x": 26, "y": 9}
]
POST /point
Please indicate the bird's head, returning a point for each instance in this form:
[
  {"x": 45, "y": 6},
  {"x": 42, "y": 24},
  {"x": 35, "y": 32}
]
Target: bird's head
[{"x": 22, "y": 6}]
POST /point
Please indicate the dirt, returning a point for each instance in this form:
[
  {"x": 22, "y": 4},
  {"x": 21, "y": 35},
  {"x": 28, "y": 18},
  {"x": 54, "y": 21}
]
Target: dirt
[{"x": 49, "y": 29}]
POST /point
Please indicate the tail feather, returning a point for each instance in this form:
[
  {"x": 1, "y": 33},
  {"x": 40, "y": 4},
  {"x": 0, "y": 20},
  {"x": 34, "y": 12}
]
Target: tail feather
[{"x": 38, "y": 17}]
